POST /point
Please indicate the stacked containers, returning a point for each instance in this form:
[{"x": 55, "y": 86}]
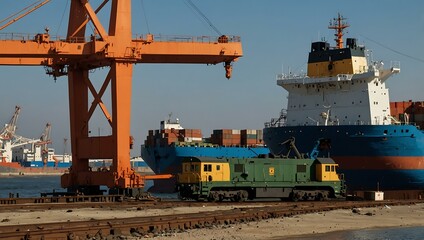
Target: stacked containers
[
  {"x": 166, "y": 137},
  {"x": 251, "y": 137},
  {"x": 226, "y": 137},
  {"x": 221, "y": 137},
  {"x": 190, "y": 135}
]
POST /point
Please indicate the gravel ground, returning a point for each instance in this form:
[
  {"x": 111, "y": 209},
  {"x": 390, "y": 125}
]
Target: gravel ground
[{"x": 278, "y": 228}]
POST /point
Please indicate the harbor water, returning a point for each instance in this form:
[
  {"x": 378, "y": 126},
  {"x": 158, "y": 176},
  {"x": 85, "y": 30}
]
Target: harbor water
[
  {"x": 32, "y": 186},
  {"x": 395, "y": 233}
]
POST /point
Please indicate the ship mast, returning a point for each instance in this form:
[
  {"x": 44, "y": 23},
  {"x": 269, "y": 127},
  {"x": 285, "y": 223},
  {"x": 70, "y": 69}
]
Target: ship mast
[{"x": 339, "y": 25}]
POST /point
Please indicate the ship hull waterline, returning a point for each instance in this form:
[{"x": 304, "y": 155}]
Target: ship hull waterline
[{"x": 372, "y": 157}]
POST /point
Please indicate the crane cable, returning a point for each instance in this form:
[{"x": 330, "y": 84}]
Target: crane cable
[
  {"x": 15, "y": 18},
  {"x": 393, "y": 50},
  {"x": 24, "y": 9},
  {"x": 145, "y": 16},
  {"x": 61, "y": 19},
  {"x": 206, "y": 19}
]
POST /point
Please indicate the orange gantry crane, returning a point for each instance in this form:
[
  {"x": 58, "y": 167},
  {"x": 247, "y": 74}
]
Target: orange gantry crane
[{"x": 115, "y": 49}]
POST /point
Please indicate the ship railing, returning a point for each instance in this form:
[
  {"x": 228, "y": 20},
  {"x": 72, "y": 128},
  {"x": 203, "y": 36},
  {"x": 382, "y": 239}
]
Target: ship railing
[
  {"x": 278, "y": 122},
  {"x": 304, "y": 79},
  {"x": 395, "y": 66},
  {"x": 284, "y": 76}
]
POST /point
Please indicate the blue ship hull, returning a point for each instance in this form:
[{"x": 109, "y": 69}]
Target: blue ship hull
[
  {"x": 387, "y": 157},
  {"x": 164, "y": 160},
  {"x": 40, "y": 164}
]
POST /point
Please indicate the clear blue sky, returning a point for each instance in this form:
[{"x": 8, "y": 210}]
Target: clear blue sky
[{"x": 274, "y": 33}]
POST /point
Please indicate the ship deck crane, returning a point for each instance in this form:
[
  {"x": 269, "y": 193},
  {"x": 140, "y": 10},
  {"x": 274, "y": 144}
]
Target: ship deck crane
[
  {"x": 43, "y": 142},
  {"x": 9, "y": 129},
  {"x": 115, "y": 49}
]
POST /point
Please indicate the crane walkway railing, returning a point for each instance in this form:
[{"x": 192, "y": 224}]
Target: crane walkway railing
[{"x": 137, "y": 37}]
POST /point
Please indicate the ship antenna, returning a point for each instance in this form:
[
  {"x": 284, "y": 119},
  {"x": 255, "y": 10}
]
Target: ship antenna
[
  {"x": 339, "y": 25},
  {"x": 169, "y": 117}
]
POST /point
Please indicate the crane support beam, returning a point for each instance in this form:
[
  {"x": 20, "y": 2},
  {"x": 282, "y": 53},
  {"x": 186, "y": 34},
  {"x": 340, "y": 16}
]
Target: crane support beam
[
  {"x": 96, "y": 22},
  {"x": 97, "y": 53}
]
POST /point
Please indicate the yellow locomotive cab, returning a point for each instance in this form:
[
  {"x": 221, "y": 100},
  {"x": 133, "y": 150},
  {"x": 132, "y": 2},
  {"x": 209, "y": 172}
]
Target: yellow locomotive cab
[
  {"x": 326, "y": 170},
  {"x": 195, "y": 171},
  {"x": 215, "y": 172}
]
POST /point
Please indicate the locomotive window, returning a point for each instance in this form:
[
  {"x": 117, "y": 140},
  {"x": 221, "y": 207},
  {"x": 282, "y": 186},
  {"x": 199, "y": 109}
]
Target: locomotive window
[
  {"x": 327, "y": 168},
  {"x": 301, "y": 168},
  {"x": 238, "y": 167},
  {"x": 193, "y": 168},
  {"x": 207, "y": 168},
  {"x": 218, "y": 168},
  {"x": 332, "y": 168}
]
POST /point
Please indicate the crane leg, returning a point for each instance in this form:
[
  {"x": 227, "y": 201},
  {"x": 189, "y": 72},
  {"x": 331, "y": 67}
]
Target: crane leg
[{"x": 120, "y": 176}]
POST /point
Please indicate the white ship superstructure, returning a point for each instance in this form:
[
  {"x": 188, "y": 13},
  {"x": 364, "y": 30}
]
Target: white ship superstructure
[{"x": 343, "y": 99}]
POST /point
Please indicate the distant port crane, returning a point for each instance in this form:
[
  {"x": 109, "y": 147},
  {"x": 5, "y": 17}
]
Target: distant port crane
[
  {"x": 10, "y": 140},
  {"x": 115, "y": 49}
]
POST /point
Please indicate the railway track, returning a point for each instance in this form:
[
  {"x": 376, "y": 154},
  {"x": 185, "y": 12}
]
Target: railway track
[{"x": 142, "y": 226}]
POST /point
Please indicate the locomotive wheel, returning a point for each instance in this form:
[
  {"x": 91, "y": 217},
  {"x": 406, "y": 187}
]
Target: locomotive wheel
[
  {"x": 319, "y": 197},
  {"x": 294, "y": 196},
  {"x": 242, "y": 195},
  {"x": 213, "y": 197}
]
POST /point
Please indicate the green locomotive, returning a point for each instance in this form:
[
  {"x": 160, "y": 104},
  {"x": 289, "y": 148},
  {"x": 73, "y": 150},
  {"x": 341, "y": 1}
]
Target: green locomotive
[{"x": 238, "y": 179}]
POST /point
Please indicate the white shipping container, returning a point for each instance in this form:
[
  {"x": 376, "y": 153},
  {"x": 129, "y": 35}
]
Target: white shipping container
[
  {"x": 251, "y": 131},
  {"x": 235, "y": 131},
  {"x": 192, "y": 139},
  {"x": 374, "y": 195}
]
